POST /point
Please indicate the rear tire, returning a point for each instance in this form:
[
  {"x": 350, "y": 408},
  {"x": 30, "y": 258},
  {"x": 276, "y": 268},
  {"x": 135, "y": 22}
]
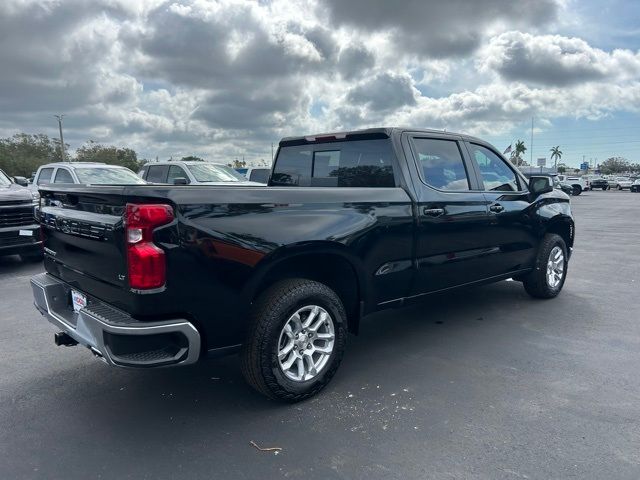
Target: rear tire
[
  {"x": 262, "y": 355},
  {"x": 546, "y": 280}
]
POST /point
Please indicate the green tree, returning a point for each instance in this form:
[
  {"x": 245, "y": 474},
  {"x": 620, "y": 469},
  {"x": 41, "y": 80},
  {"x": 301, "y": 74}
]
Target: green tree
[
  {"x": 237, "y": 164},
  {"x": 517, "y": 153},
  {"x": 556, "y": 154},
  {"x": 192, "y": 158},
  {"x": 95, "y": 152},
  {"x": 615, "y": 165},
  {"x": 562, "y": 168},
  {"x": 23, "y": 153}
]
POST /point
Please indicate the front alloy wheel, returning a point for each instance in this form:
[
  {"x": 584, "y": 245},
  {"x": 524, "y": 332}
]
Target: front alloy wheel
[{"x": 555, "y": 267}]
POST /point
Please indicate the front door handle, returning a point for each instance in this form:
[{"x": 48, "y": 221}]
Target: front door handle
[
  {"x": 496, "y": 207},
  {"x": 433, "y": 212}
]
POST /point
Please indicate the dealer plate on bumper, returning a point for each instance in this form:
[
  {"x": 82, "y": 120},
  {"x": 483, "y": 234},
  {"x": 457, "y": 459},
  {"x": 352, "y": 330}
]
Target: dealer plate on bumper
[{"x": 78, "y": 300}]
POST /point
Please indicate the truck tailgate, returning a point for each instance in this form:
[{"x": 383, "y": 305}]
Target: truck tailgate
[{"x": 83, "y": 231}]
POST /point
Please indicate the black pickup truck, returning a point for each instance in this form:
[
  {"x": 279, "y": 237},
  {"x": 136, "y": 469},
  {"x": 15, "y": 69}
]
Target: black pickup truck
[
  {"x": 349, "y": 223},
  {"x": 19, "y": 230}
]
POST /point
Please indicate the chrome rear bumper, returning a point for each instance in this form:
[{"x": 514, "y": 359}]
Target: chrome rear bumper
[{"x": 113, "y": 335}]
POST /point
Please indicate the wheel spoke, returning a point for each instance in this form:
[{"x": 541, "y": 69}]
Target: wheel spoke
[
  {"x": 292, "y": 358},
  {"x": 311, "y": 316},
  {"x": 286, "y": 349},
  {"x": 311, "y": 367},
  {"x": 288, "y": 331},
  {"x": 318, "y": 324},
  {"x": 297, "y": 323},
  {"x": 300, "y": 364},
  {"x": 325, "y": 349},
  {"x": 325, "y": 336}
]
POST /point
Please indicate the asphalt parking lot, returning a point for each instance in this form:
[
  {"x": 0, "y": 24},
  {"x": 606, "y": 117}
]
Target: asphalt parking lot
[{"x": 480, "y": 384}]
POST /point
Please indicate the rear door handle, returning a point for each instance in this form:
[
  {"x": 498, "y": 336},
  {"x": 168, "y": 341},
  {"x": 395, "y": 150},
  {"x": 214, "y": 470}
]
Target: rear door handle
[
  {"x": 433, "y": 212},
  {"x": 496, "y": 207}
]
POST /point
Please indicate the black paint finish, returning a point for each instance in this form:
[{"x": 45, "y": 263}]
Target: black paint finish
[{"x": 226, "y": 244}]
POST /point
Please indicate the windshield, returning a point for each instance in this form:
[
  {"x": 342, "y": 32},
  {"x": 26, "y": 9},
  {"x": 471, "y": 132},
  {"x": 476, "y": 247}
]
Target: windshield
[
  {"x": 4, "y": 180},
  {"x": 211, "y": 172},
  {"x": 108, "y": 176}
]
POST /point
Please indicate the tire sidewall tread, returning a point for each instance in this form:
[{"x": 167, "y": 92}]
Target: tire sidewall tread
[{"x": 267, "y": 318}]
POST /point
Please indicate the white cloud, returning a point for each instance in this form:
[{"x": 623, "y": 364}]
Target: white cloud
[{"x": 225, "y": 78}]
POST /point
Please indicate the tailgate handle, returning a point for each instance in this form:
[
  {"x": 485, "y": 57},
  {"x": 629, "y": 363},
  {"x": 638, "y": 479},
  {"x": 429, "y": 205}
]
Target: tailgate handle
[{"x": 433, "y": 212}]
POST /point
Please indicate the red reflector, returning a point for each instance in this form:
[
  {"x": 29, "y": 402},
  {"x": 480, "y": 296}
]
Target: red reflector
[{"x": 146, "y": 261}]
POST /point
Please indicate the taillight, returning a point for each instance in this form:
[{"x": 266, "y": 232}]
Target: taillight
[{"x": 146, "y": 262}]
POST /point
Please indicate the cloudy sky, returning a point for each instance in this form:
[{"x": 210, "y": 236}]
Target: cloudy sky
[{"x": 224, "y": 79}]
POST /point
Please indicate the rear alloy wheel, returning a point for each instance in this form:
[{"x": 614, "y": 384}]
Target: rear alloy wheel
[
  {"x": 296, "y": 338},
  {"x": 550, "y": 272}
]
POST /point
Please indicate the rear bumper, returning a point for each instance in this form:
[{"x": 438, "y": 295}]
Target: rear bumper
[{"x": 112, "y": 335}]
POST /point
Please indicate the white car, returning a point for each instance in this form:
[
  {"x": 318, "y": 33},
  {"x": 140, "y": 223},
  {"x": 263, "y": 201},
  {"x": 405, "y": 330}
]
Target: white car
[
  {"x": 90, "y": 173},
  {"x": 578, "y": 184},
  {"x": 622, "y": 183},
  {"x": 193, "y": 173}
]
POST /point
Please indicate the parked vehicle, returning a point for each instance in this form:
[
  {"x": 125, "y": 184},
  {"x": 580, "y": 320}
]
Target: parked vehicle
[
  {"x": 578, "y": 184},
  {"x": 566, "y": 188},
  {"x": 622, "y": 183},
  {"x": 635, "y": 187},
  {"x": 154, "y": 275},
  {"x": 193, "y": 173},
  {"x": 19, "y": 230},
  {"x": 599, "y": 183},
  {"x": 88, "y": 173},
  {"x": 255, "y": 174}
]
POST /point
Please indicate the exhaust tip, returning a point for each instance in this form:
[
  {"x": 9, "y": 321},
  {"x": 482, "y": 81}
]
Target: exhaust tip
[{"x": 63, "y": 339}]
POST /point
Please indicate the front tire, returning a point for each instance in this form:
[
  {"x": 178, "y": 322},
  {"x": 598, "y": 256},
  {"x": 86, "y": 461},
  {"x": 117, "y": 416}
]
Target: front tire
[
  {"x": 577, "y": 190},
  {"x": 550, "y": 271},
  {"x": 296, "y": 339}
]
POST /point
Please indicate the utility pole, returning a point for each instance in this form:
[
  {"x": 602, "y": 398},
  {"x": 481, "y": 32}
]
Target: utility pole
[
  {"x": 531, "y": 146},
  {"x": 60, "y": 117}
]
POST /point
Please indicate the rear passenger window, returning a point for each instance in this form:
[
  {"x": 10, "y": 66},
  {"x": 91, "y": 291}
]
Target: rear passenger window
[
  {"x": 45, "y": 176},
  {"x": 260, "y": 175},
  {"x": 63, "y": 176},
  {"x": 496, "y": 174},
  {"x": 157, "y": 173},
  {"x": 361, "y": 163},
  {"x": 440, "y": 163}
]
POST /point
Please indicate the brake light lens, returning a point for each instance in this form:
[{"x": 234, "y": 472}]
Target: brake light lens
[{"x": 145, "y": 260}]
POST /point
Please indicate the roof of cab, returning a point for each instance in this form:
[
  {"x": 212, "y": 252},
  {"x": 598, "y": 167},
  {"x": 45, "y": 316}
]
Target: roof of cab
[
  {"x": 80, "y": 164},
  {"x": 368, "y": 134}
]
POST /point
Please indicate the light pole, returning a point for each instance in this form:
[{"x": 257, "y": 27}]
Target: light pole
[{"x": 60, "y": 117}]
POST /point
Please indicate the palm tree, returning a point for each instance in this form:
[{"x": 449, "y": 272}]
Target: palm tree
[
  {"x": 556, "y": 154},
  {"x": 518, "y": 151}
]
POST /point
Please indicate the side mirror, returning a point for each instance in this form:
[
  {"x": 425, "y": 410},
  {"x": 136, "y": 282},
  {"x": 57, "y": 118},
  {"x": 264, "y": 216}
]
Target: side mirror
[
  {"x": 540, "y": 185},
  {"x": 21, "y": 181},
  {"x": 180, "y": 181}
]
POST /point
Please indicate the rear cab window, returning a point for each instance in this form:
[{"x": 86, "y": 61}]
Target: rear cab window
[
  {"x": 44, "y": 176},
  {"x": 157, "y": 173},
  {"x": 351, "y": 163},
  {"x": 63, "y": 176}
]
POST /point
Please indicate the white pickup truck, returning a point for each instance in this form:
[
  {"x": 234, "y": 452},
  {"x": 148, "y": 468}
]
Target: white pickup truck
[{"x": 579, "y": 184}]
